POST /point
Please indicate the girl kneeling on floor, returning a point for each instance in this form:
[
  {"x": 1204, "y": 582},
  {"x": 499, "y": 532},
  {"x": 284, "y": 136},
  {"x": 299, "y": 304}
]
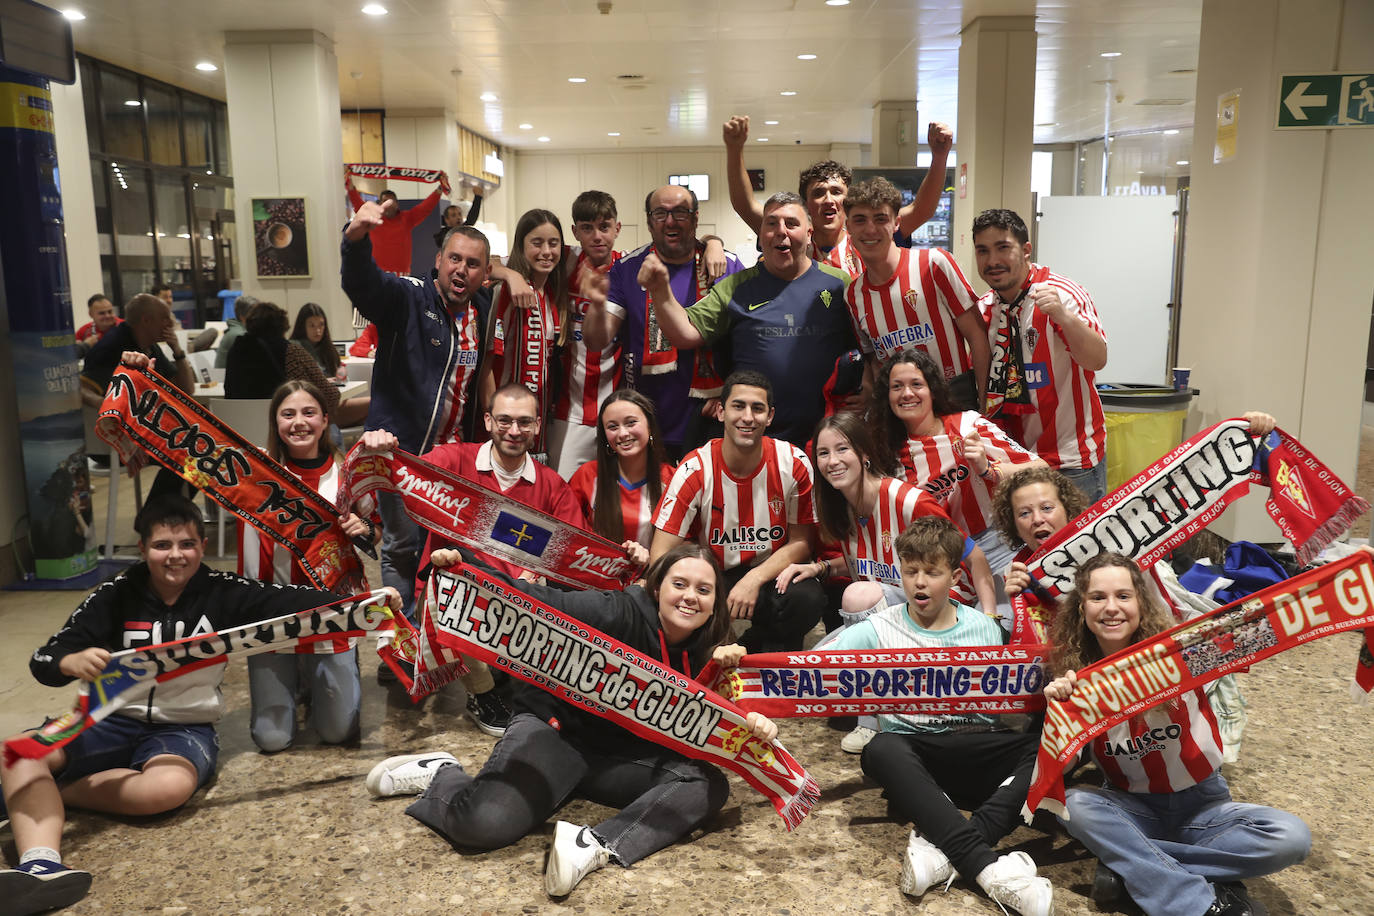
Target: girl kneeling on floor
[
  {"x": 553, "y": 752},
  {"x": 1164, "y": 820}
]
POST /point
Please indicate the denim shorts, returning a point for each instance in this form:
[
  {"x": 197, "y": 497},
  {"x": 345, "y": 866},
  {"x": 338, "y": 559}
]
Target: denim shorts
[{"x": 120, "y": 742}]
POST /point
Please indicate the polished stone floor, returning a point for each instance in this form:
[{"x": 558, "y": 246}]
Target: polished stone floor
[{"x": 296, "y": 832}]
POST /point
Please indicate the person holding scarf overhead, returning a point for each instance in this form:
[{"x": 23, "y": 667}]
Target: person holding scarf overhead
[{"x": 1047, "y": 343}]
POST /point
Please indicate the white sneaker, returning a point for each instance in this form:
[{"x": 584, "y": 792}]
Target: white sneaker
[
  {"x": 857, "y": 740},
  {"x": 408, "y": 774},
  {"x": 574, "y": 855},
  {"x": 1007, "y": 883},
  {"x": 923, "y": 866}
]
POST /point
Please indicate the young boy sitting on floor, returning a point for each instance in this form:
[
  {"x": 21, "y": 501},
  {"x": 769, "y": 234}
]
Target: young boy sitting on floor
[
  {"x": 151, "y": 755},
  {"x": 931, "y": 765}
]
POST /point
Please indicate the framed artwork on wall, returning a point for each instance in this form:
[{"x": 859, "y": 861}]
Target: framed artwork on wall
[{"x": 280, "y": 237}]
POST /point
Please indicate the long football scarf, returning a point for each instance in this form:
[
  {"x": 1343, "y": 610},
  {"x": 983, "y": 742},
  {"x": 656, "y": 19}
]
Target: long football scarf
[
  {"x": 1329, "y": 599},
  {"x": 991, "y": 679},
  {"x": 131, "y": 674},
  {"x": 399, "y": 173},
  {"x": 528, "y": 337},
  {"x": 469, "y": 513},
  {"x": 490, "y": 621},
  {"x": 420, "y": 664},
  {"x": 143, "y": 412},
  {"x": 1007, "y": 392},
  {"x": 1184, "y": 491}
]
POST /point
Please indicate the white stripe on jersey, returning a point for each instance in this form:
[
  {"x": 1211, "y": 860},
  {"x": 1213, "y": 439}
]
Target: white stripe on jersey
[
  {"x": 936, "y": 464},
  {"x": 1067, "y": 428},
  {"x": 1168, "y": 748},
  {"x": 869, "y": 550},
  {"x": 588, "y": 376},
  {"x": 741, "y": 520},
  {"x": 916, "y": 309},
  {"x": 468, "y": 347},
  {"x": 844, "y": 256}
]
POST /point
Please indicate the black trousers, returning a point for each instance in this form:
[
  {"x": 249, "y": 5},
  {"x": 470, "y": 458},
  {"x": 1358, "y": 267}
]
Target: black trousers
[
  {"x": 929, "y": 777},
  {"x": 780, "y": 622}
]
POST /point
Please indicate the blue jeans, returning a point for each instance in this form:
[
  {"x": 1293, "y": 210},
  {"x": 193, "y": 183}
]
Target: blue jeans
[
  {"x": 1167, "y": 846},
  {"x": 533, "y": 771},
  {"x": 402, "y": 540},
  {"x": 336, "y": 695},
  {"x": 1092, "y": 481}
]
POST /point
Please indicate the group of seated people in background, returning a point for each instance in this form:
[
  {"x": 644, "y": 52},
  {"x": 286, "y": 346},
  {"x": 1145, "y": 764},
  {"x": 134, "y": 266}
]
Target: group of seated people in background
[{"x": 845, "y": 433}]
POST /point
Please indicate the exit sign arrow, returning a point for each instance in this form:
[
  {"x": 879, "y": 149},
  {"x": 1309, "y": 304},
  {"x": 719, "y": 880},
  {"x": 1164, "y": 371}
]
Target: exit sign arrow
[
  {"x": 1322, "y": 101},
  {"x": 1298, "y": 100}
]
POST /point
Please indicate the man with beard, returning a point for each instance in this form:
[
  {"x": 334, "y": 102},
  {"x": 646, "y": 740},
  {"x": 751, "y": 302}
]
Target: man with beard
[
  {"x": 783, "y": 317},
  {"x": 429, "y": 332},
  {"x": 624, "y": 313}
]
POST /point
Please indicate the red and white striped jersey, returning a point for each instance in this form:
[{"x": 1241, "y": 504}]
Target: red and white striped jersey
[
  {"x": 936, "y": 464},
  {"x": 636, "y": 512},
  {"x": 870, "y": 550},
  {"x": 265, "y": 560},
  {"x": 468, "y": 354},
  {"x": 742, "y": 519},
  {"x": 1168, "y": 748},
  {"x": 844, "y": 256},
  {"x": 917, "y": 308},
  {"x": 514, "y": 328},
  {"x": 1067, "y": 428},
  {"x": 588, "y": 375}
]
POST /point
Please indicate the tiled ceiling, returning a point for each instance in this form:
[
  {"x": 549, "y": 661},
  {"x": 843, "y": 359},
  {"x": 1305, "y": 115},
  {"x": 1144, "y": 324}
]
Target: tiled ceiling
[{"x": 668, "y": 72}]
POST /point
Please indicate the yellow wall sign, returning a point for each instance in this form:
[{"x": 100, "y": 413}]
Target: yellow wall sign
[
  {"x": 1228, "y": 120},
  {"x": 25, "y": 107}
]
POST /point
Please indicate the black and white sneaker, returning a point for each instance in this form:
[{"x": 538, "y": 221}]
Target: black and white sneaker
[
  {"x": 41, "y": 885},
  {"x": 408, "y": 774},
  {"x": 575, "y": 853},
  {"x": 489, "y": 712}
]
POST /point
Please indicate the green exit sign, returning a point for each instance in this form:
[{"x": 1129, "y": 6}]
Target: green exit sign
[{"x": 1326, "y": 100}]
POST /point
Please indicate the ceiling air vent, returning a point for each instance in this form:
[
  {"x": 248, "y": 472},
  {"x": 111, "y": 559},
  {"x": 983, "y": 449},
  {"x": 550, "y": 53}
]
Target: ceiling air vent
[{"x": 1163, "y": 101}]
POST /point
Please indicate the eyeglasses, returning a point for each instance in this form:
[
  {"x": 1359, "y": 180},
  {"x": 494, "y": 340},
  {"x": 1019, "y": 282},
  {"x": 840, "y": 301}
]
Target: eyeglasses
[
  {"x": 503, "y": 423},
  {"x": 680, "y": 214}
]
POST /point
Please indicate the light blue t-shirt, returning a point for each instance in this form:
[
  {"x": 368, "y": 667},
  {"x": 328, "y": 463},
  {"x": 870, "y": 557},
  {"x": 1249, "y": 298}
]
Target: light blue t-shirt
[{"x": 893, "y": 628}]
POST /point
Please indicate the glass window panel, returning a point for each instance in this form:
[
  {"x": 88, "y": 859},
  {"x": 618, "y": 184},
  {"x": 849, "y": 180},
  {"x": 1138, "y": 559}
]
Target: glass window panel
[
  {"x": 137, "y": 268},
  {"x": 123, "y": 122},
  {"x": 174, "y": 239},
  {"x": 91, "y": 102},
  {"x": 164, "y": 122},
  {"x": 222, "y": 164},
  {"x": 196, "y": 121}
]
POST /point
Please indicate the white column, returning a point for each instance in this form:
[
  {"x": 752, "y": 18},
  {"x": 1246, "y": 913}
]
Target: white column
[
  {"x": 1278, "y": 277},
  {"x": 286, "y": 141}
]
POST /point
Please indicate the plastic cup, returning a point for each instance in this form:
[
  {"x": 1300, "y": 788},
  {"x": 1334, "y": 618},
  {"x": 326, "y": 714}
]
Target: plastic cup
[{"x": 1181, "y": 377}]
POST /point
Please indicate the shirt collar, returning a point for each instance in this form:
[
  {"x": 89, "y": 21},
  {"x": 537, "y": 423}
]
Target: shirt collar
[{"x": 484, "y": 462}]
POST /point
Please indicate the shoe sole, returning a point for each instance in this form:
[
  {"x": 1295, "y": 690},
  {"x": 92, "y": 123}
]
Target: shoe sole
[
  {"x": 551, "y": 868},
  {"x": 374, "y": 775},
  {"x": 906, "y": 882},
  {"x": 52, "y": 894},
  {"x": 495, "y": 731}
]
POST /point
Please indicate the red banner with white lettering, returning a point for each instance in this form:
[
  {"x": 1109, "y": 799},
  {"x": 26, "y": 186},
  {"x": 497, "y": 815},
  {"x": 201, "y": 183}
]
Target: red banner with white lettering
[{"x": 1330, "y": 599}]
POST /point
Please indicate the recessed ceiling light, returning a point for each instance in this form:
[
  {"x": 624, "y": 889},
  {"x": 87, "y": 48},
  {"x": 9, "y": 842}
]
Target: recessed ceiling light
[
  {"x": 1048, "y": 124},
  {"x": 763, "y": 139},
  {"x": 770, "y": 122},
  {"x": 788, "y": 92},
  {"x": 1181, "y": 162},
  {"x": 836, "y": 2},
  {"x": 543, "y": 139},
  {"x": 1110, "y": 54},
  {"x": 374, "y": 9},
  {"x": 206, "y": 67},
  {"x": 806, "y": 57},
  {"x": 613, "y": 133},
  {"x": 488, "y": 96},
  {"x": 527, "y": 127},
  {"x": 1171, "y": 131},
  {"x": 73, "y": 15},
  {"x": 577, "y": 79},
  {"x": 132, "y": 103}
]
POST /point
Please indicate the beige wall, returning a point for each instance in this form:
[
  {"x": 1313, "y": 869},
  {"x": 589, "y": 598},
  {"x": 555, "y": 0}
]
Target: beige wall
[
  {"x": 551, "y": 180},
  {"x": 1278, "y": 277}
]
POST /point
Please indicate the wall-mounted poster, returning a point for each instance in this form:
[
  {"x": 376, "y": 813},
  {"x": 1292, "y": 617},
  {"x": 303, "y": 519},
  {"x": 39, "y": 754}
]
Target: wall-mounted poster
[{"x": 279, "y": 235}]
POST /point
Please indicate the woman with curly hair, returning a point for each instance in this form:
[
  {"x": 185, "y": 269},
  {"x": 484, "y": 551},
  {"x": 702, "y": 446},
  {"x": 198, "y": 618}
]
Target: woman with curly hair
[{"x": 1163, "y": 823}]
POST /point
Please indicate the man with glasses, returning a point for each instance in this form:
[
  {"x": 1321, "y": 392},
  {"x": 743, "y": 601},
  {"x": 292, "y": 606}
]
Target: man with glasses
[
  {"x": 652, "y": 365},
  {"x": 503, "y": 463}
]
